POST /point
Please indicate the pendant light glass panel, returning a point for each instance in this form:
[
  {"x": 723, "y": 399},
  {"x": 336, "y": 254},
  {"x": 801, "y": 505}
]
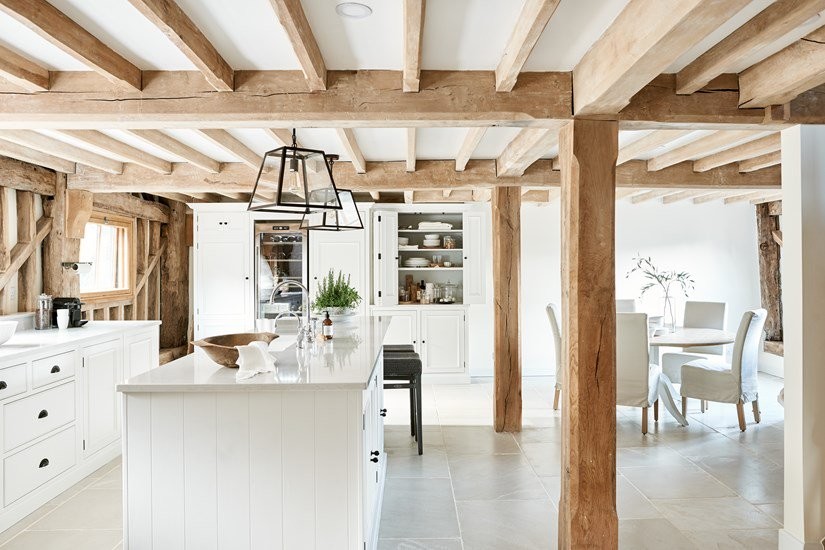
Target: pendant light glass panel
[{"x": 335, "y": 220}]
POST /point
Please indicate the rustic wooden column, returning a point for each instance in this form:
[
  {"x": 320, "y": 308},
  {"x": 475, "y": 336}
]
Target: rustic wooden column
[
  {"x": 57, "y": 247},
  {"x": 26, "y": 229},
  {"x": 506, "y": 273},
  {"x": 587, "y": 509},
  {"x": 767, "y": 233},
  {"x": 4, "y": 247},
  {"x": 174, "y": 269}
]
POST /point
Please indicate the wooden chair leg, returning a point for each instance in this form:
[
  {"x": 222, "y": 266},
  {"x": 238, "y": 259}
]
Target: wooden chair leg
[
  {"x": 656, "y": 410},
  {"x": 644, "y": 420},
  {"x": 684, "y": 407},
  {"x": 757, "y": 415},
  {"x": 556, "y": 395},
  {"x": 740, "y": 411}
]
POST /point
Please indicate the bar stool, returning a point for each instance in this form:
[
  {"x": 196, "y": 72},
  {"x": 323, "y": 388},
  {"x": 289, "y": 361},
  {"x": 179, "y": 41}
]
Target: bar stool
[{"x": 402, "y": 370}]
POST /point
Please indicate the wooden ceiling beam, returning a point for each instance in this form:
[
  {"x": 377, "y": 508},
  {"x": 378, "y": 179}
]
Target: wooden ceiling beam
[
  {"x": 429, "y": 174},
  {"x": 760, "y": 162},
  {"x": 762, "y": 146},
  {"x": 175, "y": 147},
  {"x": 742, "y": 197},
  {"x": 61, "y": 149},
  {"x": 121, "y": 151},
  {"x": 651, "y": 195},
  {"x": 54, "y": 26},
  {"x": 413, "y": 33},
  {"x": 643, "y": 40},
  {"x": 23, "y": 176},
  {"x": 468, "y": 146},
  {"x": 648, "y": 143},
  {"x": 710, "y": 197},
  {"x": 786, "y": 74},
  {"x": 699, "y": 148},
  {"x": 127, "y": 205},
  {"x": 771, "y": 24},
  {"x": 23, "y": 72},
  {"x": 770, "y": 197},
  {"x": 291, "y": 15},
  {"x": 683, "y": 195},
  {"x": 33, "y": 156},
  {"x": 233, "y": 146},
  {"x": 347, "y": 137},
  {"x": 534, "y": 16},
  {"x": 280, "y": 135},
  {"x": 167, "y": 16},
  {"x": 411, "y": 137},
  {"x": 525, "y": 149}
]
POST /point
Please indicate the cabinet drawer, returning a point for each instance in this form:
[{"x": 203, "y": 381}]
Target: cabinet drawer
[
  {"x": 51, "y": 369},
  {"x": 37, "y": 414},
  {"x": 27, "y": 470},
  {"x": 12, "y": 381}
]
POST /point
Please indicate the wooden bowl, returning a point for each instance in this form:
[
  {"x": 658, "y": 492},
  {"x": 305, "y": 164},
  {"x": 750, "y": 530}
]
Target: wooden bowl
[{"x": 221, "y": 349}]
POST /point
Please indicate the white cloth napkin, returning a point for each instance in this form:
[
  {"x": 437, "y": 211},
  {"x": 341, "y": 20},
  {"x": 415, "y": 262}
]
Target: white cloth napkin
[{"x": 254, "y": 359}]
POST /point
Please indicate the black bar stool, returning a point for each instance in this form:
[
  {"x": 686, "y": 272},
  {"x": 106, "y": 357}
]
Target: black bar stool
[{"x": 402, "y": 370}]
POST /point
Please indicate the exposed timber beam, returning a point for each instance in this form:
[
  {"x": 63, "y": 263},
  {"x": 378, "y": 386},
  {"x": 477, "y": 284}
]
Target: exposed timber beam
[
  {"x": 120, "y": 150},
  {"x": 648, "y": 143},
  {"x": 526, "y": 148},
  {"x": 645, "y": 38},
  {"x": 748, "y": 150},
  {"x": 699, "y": 148},
  {"x": 742, "y": 197},
  {"x": 127, "y": 205},
  {"x": 291, "y": 15},
  {"x": 280, "y": 135},
  {"x": 770, "y": 25},
  {"x": 429, "y": 174},
  {"x": 710, "y": 197},
  {"x": 683, "y": 195},
  {"x": 768, "y": 198},
  {"x": 535, "y": 195},
  {"x": 54, "y": 26},
  {"x": 173, "y": 146},
  {"x": 534, "y": 16},
  {"x": 23, "y": 176},
  {"x": 233, "y": 146},
  {"x": 653, "y": 194},
  {"x": 411, "y": 137},
  {"x": 627, "y": 192},
  {"x": 413, "y": 32},
  {"x": 760, "y": 162},
  {"x": 786, "y": 74},
  {"x": 62, "y": 150},
  {"x": 347, "y": 137},
  {"x": 21, "y": 252},
  {"x": 23, "y": 72},
  {"x": 183, "y": 33},
  {"x": 468, "y": 146},
  {"x": 33, "y": 156}
]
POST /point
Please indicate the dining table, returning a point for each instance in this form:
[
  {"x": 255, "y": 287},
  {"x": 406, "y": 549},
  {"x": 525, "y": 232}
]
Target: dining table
[{"x": 683, "y": 338}]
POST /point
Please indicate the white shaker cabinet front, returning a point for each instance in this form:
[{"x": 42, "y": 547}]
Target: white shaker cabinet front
[
  {"x": 344, "y": 251},
  {"x": 476, "y": 250},
  {"x": 403, "y": 326},
  {"x": 139, "y": 352},
  {"x": 442, "y": 340},
  {"x": 385, "y": 258},
  {"x": 100, "y": 375}
]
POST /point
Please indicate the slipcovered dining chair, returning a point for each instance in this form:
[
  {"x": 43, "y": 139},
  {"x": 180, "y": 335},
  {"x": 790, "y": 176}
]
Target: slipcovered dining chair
[
  {"x": 637, "y": 380},
  {"x": 734, "y": 383},
  {"x": 697, "y": 315},
  {"x": 626, "y": 305},
  {"x": 553, "y": 317}
]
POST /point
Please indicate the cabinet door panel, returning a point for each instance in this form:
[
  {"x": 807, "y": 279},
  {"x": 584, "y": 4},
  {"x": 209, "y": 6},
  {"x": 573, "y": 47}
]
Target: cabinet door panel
[
  {"x": 403, "y": 327},
  {"x": 222, "y": 278},
  {"x": 442, "y": 341},
  {"x": 101, "y": 372},
  {"x": 140, "y": 353},
  {"x": 385, "y": 256},
  {"x": 474, "y": 264},
  {"x": 339, "y": 251}
]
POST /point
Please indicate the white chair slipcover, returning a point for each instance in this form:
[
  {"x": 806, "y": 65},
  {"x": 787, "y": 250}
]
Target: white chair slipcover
[
  {"x": 626, "y": 306},
  {"x": 697, "y": 315},
  {"x": 637, "y": 380}
]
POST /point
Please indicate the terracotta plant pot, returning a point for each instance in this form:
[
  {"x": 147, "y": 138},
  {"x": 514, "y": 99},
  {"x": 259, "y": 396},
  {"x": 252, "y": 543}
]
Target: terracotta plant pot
[{"x": 221, "y": 349}]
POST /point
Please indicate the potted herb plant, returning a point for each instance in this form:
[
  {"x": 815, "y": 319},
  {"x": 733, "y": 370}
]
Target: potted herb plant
[
  {"x": 336, "y": 295},
  {"x": 664, "y": 280}
]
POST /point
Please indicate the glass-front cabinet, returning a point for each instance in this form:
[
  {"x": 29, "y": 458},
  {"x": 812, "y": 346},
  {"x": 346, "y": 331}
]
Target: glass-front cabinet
[{"x": 280, "y": 255}]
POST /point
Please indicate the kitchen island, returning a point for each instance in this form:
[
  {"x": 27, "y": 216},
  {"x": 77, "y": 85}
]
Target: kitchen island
[{"x": 290, "y": 459}]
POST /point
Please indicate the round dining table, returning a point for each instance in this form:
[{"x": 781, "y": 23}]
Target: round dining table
[{"x": 684, "y": 338}]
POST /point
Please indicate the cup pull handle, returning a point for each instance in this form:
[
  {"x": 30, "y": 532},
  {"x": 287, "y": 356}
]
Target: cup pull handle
[
  {"x": 55, "y": 369},
  {"x": 43, "y": 414},
  {"x": 44, "y": 463}
]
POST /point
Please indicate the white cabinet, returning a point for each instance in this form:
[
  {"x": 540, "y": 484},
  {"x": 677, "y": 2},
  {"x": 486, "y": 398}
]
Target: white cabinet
[
  {"x": 385, "y": 258},
  {"x": 344, "y": 251},
  {"x": 442, "y": 340},
  {"x": 373, "y": 451},
  {"x": 139, "y": 352},
  {"x": 403, "y": 326},
  {"x": 476, "y": 250},
  {"x": 100, "y": 375}
]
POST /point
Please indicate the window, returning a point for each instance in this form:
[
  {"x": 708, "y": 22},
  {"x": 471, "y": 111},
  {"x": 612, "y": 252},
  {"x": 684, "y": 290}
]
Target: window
[{"x": 107, "y": 244}]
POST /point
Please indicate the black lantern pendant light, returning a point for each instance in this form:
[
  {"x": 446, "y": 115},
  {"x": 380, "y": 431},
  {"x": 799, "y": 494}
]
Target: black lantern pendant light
[
  {"x": 295, "y": 180},
  {"x": 335, "y": 220}
]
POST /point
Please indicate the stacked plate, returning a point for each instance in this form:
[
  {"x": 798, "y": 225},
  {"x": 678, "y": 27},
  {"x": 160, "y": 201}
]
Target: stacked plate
[{"x": 416, "y": 262}]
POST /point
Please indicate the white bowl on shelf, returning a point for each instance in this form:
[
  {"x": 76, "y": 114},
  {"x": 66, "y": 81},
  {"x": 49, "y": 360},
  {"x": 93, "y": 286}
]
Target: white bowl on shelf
[
  {"x": 432, "y": 243},
  {"x": 432, "y": 236},
  {"x": 403, "y": 241},
  {"x": 7, "y": 329}
]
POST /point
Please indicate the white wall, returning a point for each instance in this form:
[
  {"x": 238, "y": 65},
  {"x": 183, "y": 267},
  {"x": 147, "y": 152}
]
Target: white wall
[{"x": 714, "y": 242}]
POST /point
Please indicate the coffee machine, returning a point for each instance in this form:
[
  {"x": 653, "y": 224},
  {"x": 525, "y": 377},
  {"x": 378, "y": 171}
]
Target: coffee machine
[{"x": 73, "y": 305}]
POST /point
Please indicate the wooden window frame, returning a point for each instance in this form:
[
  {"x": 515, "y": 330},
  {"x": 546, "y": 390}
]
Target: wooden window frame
[{"x": 128, "y": 293}]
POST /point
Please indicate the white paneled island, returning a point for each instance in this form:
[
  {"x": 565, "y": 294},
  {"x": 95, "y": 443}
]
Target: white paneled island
[{"x": 290, "y": 459}]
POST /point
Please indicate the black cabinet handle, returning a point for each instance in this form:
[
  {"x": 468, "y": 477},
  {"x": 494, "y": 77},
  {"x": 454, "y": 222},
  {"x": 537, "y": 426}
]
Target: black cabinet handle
[
  {"x": 43, "y": 414},
  {"x": 375, "y": 453},
  {"x": 383, "y": 412},
  {"x": 247, "y": 278},
  {"x": 373, "y": 460},
  {"x": 3, "y": 385},
  {"x": 55, "y": 369},
  {"x": 44, "y": 463},
  {"x": 423, "y": 341}
]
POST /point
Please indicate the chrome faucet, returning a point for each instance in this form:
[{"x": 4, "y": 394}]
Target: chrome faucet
[{"x": 305, "y": 335}]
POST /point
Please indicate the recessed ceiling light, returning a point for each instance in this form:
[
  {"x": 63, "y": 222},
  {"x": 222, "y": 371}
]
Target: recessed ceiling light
[{"x": 353, "y": 10}]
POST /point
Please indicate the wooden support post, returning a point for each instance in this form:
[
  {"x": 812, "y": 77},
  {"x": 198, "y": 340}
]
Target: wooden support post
[
  {"x": 58, "y": 247},
  {"x": 587, "y": 509},
  {"x": 770, "y": 281},
  {"x": 26, "y": 229},
  {"x": 4, "y": 245},
  {"x": 141, "y": 264},
  {"x": 78, "y": 212},
  {"x": 174, "y": 269},
  {"x": 506, "y": 274},
  {"x": 153, "y": 283}
]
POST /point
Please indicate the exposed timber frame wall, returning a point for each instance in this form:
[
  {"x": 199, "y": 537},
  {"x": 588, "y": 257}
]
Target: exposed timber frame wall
[{"x": 769, "y": 237}]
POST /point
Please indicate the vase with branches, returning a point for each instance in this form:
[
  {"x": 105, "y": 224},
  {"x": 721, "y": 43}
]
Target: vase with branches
[{"x": 666, "y": 280}]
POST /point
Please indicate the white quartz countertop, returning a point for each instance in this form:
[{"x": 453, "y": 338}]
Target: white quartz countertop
[
  {"x": 26, "y": 342},
  {"x": 344, "y": 363}
]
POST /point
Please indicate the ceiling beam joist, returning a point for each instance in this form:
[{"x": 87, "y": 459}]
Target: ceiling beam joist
[
  {"x": 174, "y": 147},
  {"x": 762, "y": 146},
  {"x": 54, "y": 26},
  {"x": 167, "y": 16},
  {"x": 120, "y": 150},
  {"x": 760, "y": 162},
  {"x": 413, "y": 32},
  {"x": 468, "y": 147},
  {"x": 770, "y": 25},
  {"x": 291, "y": 15},
  {"x": 648, "y": 143},
  {"x": 531, "y": 22},
  {"x": 411, "y": 146},
  {"x": 23, "y": 72},
  {"x": 429, "y": 174},
  {"x": 699, "y": 148},
  {"x": 61, "y": 149},
  {"x": 682, "y": 195},
  {"x": 645, "y": 38},
  {"x": 233, "y": 146},
  {"x": 33, "y": 156},
  {"x": 526, "y": 148},
  {"x": 347, "y": 137}
]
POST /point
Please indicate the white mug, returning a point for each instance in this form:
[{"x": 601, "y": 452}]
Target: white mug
[{"x": 62, "y": 319}]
